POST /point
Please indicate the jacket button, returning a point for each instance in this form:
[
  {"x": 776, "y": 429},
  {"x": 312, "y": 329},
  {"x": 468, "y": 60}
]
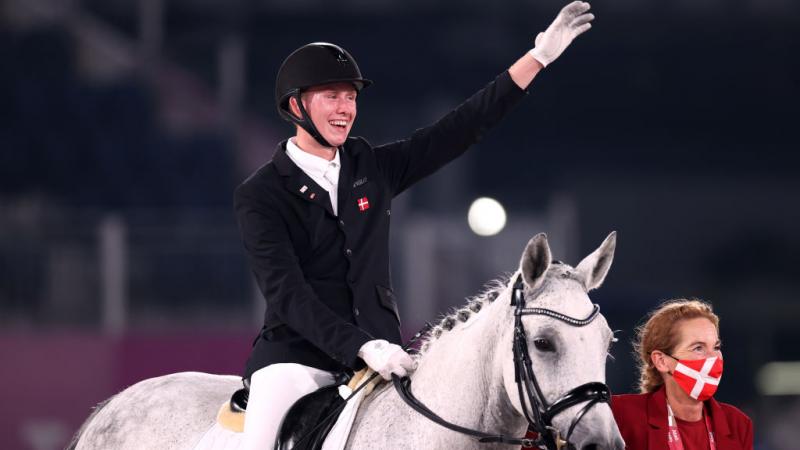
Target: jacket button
[
  {"x": 348, "y": 252},
  {"x": 341, "y": 223},
  {"x": 388, "y": 212},
  {"x": 356, "y": 312}
]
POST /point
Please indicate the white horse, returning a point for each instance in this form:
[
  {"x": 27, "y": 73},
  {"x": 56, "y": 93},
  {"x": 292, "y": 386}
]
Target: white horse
[{"x": 466, "y": 375}]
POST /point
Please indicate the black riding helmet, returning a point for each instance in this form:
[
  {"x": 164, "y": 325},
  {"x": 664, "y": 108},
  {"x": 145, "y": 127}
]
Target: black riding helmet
[{"x": 311, "y": 65}]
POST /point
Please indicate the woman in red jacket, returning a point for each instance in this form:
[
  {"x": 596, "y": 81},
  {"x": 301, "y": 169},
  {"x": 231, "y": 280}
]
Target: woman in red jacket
[{"x": 680, "y": 369}]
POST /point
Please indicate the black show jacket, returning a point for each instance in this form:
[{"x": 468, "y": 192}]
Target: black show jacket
[{"x": 326, "y": 278}]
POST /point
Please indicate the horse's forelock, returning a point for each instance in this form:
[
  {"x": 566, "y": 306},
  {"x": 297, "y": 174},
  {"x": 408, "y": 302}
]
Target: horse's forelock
[{"x": 551, "y": 293}]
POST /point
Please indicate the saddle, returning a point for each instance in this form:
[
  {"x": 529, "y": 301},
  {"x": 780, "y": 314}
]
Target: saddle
[
  {"x": 310, "y": 419},
  {"x": 308, "y": 422}
]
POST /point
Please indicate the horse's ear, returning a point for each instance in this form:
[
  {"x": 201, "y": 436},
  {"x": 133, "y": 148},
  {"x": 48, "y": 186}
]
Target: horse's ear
[
  {"x": 594, "y": 267},
  {"x": 535, "y": 261}
]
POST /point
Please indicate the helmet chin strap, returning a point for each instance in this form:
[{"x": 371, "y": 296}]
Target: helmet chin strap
[{"x": 305, "y": 122}]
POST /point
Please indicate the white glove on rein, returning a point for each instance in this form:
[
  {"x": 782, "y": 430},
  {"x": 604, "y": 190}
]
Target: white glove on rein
[
  {"x": 386, "y": 358},
  {"x": 573, "y": 20}
]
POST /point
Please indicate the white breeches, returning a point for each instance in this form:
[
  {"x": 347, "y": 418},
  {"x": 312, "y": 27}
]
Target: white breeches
[{"x": 273, "y": 390}]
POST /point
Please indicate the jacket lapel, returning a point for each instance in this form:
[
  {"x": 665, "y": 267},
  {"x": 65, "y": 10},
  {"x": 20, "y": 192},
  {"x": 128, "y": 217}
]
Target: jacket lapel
[
  {"x": 345, "y": 178},
  {"x": 297, "y": 182},
  {"x": 657, "y": 419},
  {"x": 722, "y": 430}
]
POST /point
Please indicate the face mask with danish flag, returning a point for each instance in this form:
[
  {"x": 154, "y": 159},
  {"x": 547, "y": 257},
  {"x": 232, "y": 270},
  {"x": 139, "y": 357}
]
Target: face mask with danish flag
[{"x": 698, "y": 377}]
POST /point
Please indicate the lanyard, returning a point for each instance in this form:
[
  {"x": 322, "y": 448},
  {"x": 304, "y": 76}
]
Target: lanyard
[{"x": 674, "y": 437}]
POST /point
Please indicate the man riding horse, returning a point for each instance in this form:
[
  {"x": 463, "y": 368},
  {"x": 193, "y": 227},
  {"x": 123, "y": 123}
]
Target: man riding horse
[{"x": 315, "y": 220}]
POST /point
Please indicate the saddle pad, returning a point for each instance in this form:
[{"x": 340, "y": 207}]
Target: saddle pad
[
  {"x": 337, "y": 437},
  {"x": 219, "y": 438},
  {"x": 229, "y": 419}
]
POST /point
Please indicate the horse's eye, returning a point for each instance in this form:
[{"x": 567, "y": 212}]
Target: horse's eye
[{"x": 543, "y": 345}]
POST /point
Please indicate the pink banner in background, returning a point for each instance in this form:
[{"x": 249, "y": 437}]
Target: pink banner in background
[{"x": 49, "y": 381}]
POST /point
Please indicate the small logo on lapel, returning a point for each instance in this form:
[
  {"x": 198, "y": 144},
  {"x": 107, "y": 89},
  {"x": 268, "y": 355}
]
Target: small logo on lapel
[
  {"x": 359, "y": 182},
  {"x": 363, "y": 204},
  {"x": 312, "y": 196},
  {"x": 303, "y": 189}
]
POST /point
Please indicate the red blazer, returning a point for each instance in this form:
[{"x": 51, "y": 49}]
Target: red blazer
[{"x": 642, "y": 420}]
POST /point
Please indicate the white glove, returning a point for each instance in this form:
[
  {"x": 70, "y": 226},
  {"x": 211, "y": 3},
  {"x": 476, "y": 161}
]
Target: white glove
[
  {"x": 386, "y": 358},
  {"x": 569, "y": 24}
]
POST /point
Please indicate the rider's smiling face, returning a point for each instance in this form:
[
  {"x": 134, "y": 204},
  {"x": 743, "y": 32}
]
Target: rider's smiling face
[{"x": 332, "y": 109}]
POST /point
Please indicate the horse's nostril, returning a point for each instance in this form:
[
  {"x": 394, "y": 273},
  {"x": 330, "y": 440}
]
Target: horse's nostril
[{"x": 590, "y": 447}]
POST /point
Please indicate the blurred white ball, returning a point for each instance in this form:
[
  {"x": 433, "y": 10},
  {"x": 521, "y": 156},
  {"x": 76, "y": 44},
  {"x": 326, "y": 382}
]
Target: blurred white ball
[{"x": 486, "y": 216}]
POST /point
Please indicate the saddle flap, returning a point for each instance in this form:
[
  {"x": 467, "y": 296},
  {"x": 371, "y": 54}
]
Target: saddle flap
[{"x": 310, "y": 419}]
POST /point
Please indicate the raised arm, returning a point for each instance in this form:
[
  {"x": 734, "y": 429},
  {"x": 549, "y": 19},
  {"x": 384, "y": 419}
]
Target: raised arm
[{"x": 407, "y": 161}]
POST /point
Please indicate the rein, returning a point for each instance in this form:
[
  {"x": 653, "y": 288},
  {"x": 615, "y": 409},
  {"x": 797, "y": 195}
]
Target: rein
[{"x": 540, "y": 414}]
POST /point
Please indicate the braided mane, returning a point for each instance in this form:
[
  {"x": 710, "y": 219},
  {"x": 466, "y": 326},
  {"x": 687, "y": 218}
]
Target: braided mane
[{"x": 474, "y": 305}]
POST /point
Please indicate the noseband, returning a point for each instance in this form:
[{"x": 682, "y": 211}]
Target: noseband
[{"x": 537, "y": 411}]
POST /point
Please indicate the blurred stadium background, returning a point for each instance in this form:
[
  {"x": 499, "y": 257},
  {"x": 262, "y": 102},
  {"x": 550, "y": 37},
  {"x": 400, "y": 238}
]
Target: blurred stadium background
[{"x": 125, "y": 126}]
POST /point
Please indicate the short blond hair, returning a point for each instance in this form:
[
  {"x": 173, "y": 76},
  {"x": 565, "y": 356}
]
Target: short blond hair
[{"x": 659, "y": 333}]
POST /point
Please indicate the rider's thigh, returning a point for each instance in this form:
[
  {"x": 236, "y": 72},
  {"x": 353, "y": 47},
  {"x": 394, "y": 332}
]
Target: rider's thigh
[{"x": 273, "y": 390}]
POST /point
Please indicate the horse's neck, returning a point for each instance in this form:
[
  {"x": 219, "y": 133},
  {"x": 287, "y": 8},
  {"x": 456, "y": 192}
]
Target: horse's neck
[{"x": 460, "y": 377}]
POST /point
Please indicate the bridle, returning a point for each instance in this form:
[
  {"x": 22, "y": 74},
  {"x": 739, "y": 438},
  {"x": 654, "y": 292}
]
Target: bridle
[{"x": 540, "y": 413}]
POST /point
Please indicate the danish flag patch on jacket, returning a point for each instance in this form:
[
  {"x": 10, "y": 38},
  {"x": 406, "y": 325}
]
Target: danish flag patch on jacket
[{"x": 363, "y": 204}]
